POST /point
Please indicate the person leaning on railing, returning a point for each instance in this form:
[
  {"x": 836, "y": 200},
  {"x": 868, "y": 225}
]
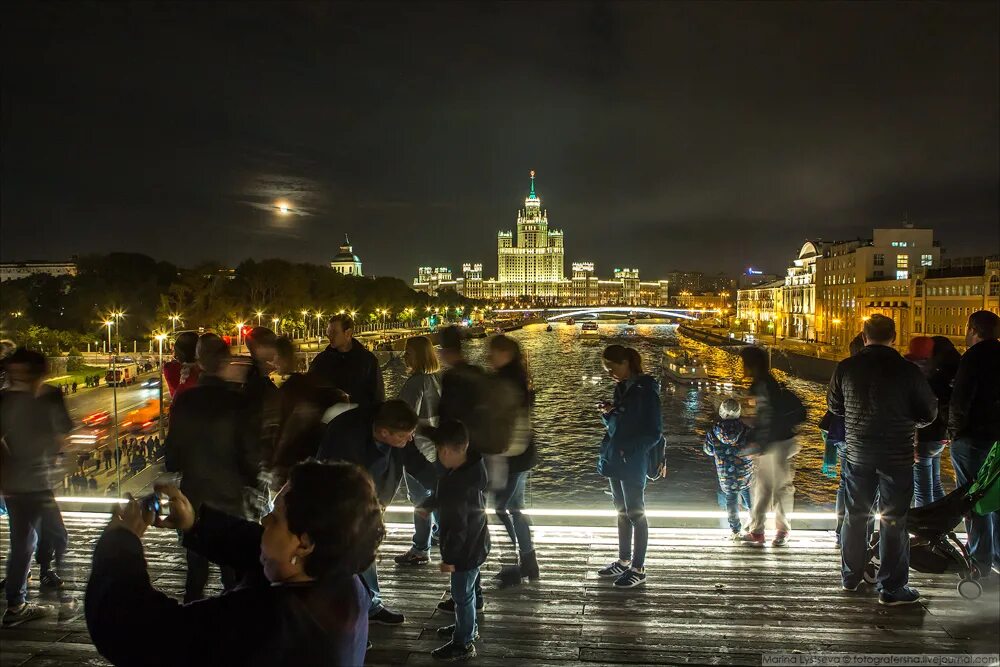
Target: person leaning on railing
[{"x": 299, "y": 602}]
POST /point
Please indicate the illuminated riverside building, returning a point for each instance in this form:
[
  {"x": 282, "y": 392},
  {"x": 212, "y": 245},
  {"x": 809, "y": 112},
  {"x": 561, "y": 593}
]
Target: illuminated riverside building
[
  {"x": 346, "y": 262},
  {"x": 530, "y": 270}
]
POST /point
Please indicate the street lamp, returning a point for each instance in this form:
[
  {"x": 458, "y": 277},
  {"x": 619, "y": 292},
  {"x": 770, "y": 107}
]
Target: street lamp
[
  {"x": 173, "y": 319},
  {"x": 114, "y": 401},
  {"x": 160, "y": 338},
  {"x": 259, "y": 315},
  {"x": 305, "y": 325},
  {"x": 239, "y": 333},
  {"x": 275, "y": 321},
  {"x": 319, "y": 314}
]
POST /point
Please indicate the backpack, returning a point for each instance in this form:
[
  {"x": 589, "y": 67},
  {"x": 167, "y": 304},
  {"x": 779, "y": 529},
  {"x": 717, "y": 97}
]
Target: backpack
[{"x": 787, "y": 414}]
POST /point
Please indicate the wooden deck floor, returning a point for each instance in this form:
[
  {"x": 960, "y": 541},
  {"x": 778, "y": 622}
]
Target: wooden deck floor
[{"x": 706, "y": 602}]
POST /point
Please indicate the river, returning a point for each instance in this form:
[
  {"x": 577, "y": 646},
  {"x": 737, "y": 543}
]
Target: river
[{"x": 569, "y": 380}]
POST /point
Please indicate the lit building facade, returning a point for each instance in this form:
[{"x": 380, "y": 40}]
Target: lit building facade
[
  {"x": 943, "y": 298},
  {"x": 346, "y": 262},
  {"x": 758, "y": 308},
  {"x": 18, "y": 270},
  {"x": 798, "y": 315},
  {"x": 533, "y": 267}
]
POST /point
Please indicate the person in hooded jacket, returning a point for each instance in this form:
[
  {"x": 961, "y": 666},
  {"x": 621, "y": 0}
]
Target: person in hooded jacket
[
  {"x": 634, "y": 424},
  {"x": 725, "y": 442},
  {"x": 460, "y": 501},
  {"x": 939, "y": 364}
]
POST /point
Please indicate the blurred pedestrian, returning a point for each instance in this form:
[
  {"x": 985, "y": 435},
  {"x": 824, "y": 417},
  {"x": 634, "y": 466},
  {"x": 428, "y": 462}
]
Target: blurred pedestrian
[
  {"x": 939, "y": 364},
  {"x": 974, "y": 425},
  {"x": 422, "y": 392},
  {"x": 34, "y": 424},
  {"x": 348, "y": 365},
  {"x": 181, "y": 372},
  {"x": 778, "y": 412},
  {"x": 633, "y": 427},
  {"x": 211, "y": 445},
  {"x": 726, "y": 443},
  {"x": 883, "y": 399}
]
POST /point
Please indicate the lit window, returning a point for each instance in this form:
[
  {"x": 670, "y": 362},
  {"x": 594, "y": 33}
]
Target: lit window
[
  {"x": 926, "y": 260},
  {"x": 880, "y": 258},
  {"x": 902, "y": 275},
  {"x": 902, "y": 261}
]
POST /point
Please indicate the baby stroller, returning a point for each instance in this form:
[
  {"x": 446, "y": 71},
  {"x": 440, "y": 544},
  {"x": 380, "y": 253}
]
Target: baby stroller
[{"x": 934, "y": 547}]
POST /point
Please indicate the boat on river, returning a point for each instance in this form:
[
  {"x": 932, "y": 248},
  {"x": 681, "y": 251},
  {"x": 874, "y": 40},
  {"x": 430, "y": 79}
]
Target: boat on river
[
  {"x": 681, "y": 367},
  {"x": 589, "y": 331},
  {"x": 570, "y": 321},
  {"x": 631, "y": 321}
]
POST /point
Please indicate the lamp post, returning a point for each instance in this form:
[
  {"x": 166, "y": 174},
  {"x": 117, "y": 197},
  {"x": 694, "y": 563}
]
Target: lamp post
[
  {"x": 239, "y": 334},
  {"x": 275, "y": 321},
  {"x": 319, "y": 315},
  {"x": 305, "y": 325},
  {"x": 259, "y": 315},
  {"x": 160, "y": 338},
  {"x": 114, "y": 403},
  {"x": 173, "y": 319}
]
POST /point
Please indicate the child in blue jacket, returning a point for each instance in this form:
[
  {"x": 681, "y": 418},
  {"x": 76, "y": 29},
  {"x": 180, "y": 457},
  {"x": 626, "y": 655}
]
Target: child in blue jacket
[{"x": 725, "y": 442}]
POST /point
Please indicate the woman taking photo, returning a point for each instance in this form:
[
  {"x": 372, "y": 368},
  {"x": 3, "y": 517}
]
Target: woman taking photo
[
  {"x": 508, "y": 361},
  {"x": 300, "y": 601},
  {"x": 634, "y": 425},
  {"x": 422, "y": 392}
]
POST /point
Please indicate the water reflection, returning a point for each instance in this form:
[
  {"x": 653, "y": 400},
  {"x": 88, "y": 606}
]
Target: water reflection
[{"x": 570, "y": 380}]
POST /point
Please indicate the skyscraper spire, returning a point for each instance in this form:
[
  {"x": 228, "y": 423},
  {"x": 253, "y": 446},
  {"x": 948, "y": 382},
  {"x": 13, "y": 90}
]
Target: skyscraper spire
[{"x": 533, "y": 195}]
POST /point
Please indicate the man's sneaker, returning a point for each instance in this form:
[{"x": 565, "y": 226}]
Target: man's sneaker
[
  {"x": 851, "y": 589},
  {"x": 448, "y": 631},
  {"x": 449, "y": 605},
  {"x": 630, "y": 579},
  {"x": 412, "y": 557},
  {"x": 50, "y": 580},
  {"x": 615, "y": 570},
  {"x": 781, "y": 539},
  {"x": 452, "y": 652},
  {"x": 24, "y": 613},
  {"x": 754, "y": 539},
  {"x": 905, "y": 595},
  {"x": 386, "y": 616}
]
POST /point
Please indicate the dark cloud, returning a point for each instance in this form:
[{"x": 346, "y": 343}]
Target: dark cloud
[{"x": 707, "y": 135}]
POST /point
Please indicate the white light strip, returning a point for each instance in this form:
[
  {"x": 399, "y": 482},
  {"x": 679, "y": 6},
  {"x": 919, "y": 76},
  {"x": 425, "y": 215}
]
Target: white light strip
[{"x": 541, "y": 511}]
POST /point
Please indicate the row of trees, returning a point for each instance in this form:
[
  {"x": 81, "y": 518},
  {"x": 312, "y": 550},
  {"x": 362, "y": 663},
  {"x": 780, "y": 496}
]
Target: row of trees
[{"x": 64, "y": 313}]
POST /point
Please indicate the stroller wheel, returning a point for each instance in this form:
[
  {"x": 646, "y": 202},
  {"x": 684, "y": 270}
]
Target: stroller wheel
[
  {"x": 970, "y": 589},
  {"x": 871, "y": 569}
]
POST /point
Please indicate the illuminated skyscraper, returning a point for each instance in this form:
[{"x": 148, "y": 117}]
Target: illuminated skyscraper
[{"x": 533, "y": 267}]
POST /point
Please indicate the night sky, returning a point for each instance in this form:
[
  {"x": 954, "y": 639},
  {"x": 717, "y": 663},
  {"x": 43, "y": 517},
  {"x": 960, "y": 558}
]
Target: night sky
[{"x": 665, "y": 135}]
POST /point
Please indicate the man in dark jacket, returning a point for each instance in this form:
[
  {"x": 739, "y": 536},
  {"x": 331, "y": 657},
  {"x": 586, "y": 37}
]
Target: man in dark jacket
[
  {"x": 462, "y": 385},
  {"x": 460, "y": 500},
  {"x": 379, "y": 438},
  {"x": 348, "y": 365},
  {"x": 211, "y": 442},
  {"x": 974, "y": 425},
  {"x": 883, "y": 399}
]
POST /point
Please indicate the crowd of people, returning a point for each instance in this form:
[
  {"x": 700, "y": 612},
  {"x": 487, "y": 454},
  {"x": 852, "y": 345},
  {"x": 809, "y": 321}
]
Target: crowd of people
[{"x": 282, "y": 483}]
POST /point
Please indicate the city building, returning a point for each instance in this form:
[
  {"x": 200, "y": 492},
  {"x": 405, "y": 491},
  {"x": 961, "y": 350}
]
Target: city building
[
  {"x": 758, "y": 308},
  {"x": 798, "y": 303},
  {"x": 944, "y": 297},
  {"x": 752, "y": 277},
  {"x": 346, "y": 262},
  {"x": 18, "y": 270},
  {"x": 533, "y": 267},
  {"x": 701, "y": 301},
  {"x": 857, "y": 278}
]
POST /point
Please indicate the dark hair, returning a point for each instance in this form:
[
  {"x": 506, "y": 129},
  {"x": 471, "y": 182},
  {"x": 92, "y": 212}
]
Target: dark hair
[
  {"x": 620, "y": 354},
  {"x": 450, "y": 433},
  {"x": 502, "y": 343},
  {"x": 346, "y": 321},
  {"x": 284, "y": 347},
  {"x": 35, "y": 362},
  {"x": 260, "y": 336},
  {"x": 211, "y": 352},
  {"x": 755, "y": 361},
  {"x": 944, "y": 356},
  {"x": 185, "y": 346},
  {"x": 336, "y": 505},
  {"x": 857, "y": 344},
  {"x": 450, "y": 338},
  {"x": 880, "y": 329},
  {"x": 396, "y": 415},
  {"x": 985, "y": 324}
]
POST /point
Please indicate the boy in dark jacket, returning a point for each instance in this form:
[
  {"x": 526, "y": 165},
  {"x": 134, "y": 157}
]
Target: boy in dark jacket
[
  {"x": 725, "y": 442},
  {"x": 460, "y": 500}
]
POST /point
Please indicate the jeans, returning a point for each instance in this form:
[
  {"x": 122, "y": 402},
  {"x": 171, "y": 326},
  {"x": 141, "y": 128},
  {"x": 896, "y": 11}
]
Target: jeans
[
  {"x": 370, "y": 577},
  {"x": 927, "y": 474},
  {"x": 631, "y": 506},
  {"x": 730, "y": 501},
  {"x": 197, "y": 577},
  {"x": 894, "y": 486},
  {"x": 422, "y": 526},
  {"x": 842, "y": 495},
  {"x": 967, "y": 455},
  {"x": 772, "y": 486},
  {"x": 34, "y": 519},
  {"x": 509, "y": 501},
  {"x": 465, "y": 590}
]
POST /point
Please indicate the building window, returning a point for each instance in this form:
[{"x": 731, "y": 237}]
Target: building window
[
  {"x": 995, "y": 286},
  {"x": 880, "y": 259},
  {"x": 902, "y": 261},
  {"x": 902, "y": 275},
  {"x": 879, "y": 274},
  {"x": 926, "y": 260}
]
